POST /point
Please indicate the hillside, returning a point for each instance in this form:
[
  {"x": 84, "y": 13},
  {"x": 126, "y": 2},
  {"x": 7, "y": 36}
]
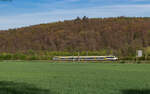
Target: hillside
[{"x": 121, "y": 35}]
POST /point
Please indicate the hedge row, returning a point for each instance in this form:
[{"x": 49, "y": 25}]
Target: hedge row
[{"x": 49, "y": 55}]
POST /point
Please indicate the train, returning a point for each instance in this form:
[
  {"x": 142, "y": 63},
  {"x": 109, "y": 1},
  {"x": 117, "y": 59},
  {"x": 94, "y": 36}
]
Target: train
[{"x": 85, "y": 58}]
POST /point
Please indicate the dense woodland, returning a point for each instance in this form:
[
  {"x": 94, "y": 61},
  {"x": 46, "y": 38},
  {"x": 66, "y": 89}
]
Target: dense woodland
[{"x": 120, "y": 36}]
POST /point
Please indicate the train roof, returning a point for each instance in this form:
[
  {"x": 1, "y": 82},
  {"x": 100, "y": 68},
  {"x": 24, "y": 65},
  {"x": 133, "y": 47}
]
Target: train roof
[{"x": 84, "y": 56}]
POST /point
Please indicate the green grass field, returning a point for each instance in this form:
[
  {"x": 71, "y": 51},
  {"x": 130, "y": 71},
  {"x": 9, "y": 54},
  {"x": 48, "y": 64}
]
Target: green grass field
[{"x": 33, "y": 77}]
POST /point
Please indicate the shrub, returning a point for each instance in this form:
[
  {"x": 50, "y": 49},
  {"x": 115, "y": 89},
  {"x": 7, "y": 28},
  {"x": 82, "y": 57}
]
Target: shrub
[
  {"x": 19, "y": 56},
  {"x": 122, "y": 62},
  {"x": 127, "y": 58},
  {"x": 5, "y": 56},
  {"x": 32, "y": 57},
  {"x": 138, "y": 62}
]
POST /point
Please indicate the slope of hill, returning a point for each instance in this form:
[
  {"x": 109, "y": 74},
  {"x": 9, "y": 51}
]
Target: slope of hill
[{"x": 121, "y": 35}]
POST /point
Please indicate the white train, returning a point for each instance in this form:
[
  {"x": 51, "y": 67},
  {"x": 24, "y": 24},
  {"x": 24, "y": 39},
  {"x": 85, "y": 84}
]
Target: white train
[{"x": 85, "y": 58}]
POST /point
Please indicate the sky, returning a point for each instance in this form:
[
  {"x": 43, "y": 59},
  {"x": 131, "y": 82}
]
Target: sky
[{"x": 20, "y": 13}]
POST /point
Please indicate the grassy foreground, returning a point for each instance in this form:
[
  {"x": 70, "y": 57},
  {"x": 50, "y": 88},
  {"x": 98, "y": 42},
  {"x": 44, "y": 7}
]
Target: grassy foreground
[{"x": 34, "y": 77}]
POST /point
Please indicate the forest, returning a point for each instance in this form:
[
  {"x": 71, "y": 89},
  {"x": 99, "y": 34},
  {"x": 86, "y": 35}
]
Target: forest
[{"x": 120, "y": 36}]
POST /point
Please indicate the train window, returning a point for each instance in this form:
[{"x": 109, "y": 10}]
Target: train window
[
  {"x": 100, "y": 58},
  {"x": 109, "y": 57},
  {"x": 89, "y": 58},
  {"x": 74, "y": 58}
]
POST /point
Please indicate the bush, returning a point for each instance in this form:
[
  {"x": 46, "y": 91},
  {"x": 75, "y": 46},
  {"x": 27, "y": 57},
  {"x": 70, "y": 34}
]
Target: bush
[
  {"x": 141, "y": 58},
  {"x": 138, "y": 62},
  {"x": 19, "y": 56},
  {"x": 32, "y": 57},
  {"x": 127, "y": 58},
  {"x": 122, "y": 62},
  {"x": 5, "y": 56}
]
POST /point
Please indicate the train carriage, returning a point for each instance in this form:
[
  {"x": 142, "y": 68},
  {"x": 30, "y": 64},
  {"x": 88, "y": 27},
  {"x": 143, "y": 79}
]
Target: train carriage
[{"x": 85, "y": 58}]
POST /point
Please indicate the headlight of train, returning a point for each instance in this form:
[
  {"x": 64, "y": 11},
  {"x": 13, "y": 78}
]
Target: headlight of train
[{"x": 116, "y": 58}]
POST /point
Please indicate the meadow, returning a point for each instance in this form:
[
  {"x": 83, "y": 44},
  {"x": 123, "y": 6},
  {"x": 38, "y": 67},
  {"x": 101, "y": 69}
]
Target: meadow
[{"x": 45, "y": 77}]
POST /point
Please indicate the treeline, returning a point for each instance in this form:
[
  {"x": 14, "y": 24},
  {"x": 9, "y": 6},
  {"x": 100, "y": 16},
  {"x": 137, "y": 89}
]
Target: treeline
[{"x": 120, "y": 36}]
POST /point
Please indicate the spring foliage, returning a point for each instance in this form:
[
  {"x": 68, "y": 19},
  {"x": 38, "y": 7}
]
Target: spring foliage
[{"x": 120, "y": 36}]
